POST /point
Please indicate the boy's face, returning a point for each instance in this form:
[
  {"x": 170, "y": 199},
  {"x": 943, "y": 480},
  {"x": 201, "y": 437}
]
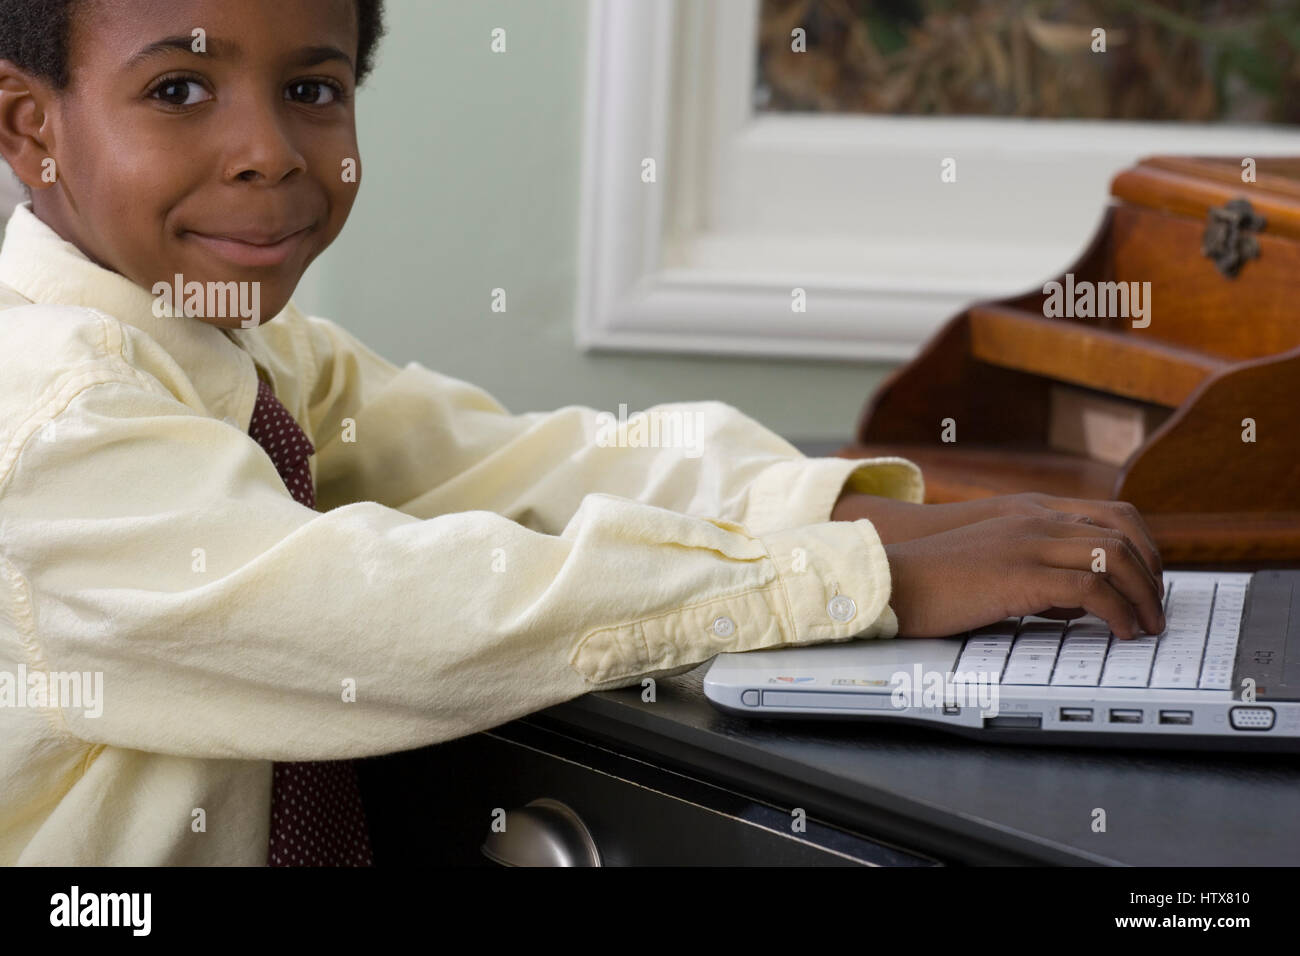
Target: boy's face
[{"x": 192, "y": 163}]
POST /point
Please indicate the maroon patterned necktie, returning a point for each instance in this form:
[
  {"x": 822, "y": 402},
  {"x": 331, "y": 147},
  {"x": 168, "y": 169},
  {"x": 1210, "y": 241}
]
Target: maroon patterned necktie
[{"x": 317, "y": 818}]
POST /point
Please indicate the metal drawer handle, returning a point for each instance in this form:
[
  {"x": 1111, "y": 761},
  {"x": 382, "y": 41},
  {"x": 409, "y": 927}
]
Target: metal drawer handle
[{"x": 544, "y": 832}]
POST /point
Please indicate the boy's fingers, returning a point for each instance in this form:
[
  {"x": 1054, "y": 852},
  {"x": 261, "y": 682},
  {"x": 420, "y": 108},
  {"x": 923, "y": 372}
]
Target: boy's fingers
[
  {"x": 1094, "y": 594},
  {"x": 1122, "y": 517},
  {"x": 1123, "y": 568},
  {"x": 1133, "y": 578},
  {"x": 1062, "y": 527}
]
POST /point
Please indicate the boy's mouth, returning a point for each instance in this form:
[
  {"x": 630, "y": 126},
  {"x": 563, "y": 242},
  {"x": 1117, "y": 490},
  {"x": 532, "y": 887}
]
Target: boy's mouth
[{"x": 252, "y": 249}]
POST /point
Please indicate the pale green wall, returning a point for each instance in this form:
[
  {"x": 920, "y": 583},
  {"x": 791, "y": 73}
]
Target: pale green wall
[{"x": 472, "y": 178}]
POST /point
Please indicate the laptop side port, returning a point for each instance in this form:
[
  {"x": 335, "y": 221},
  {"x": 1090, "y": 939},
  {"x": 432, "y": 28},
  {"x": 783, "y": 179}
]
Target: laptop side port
[
  {"x": 1252, "y": 718},
  {"x": 1122, "y": 716},
  {"x": 1175, "y": 716},
  {"x": 1078, "y": 714},
  {"x": 1026, "y": 721}
]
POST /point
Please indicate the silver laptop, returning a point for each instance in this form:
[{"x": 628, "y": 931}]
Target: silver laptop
[{"x": 1224, "y": 675}]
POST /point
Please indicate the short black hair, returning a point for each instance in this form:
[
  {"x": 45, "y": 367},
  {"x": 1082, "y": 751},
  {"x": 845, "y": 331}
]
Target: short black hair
[{"x": 34, "y": 36}]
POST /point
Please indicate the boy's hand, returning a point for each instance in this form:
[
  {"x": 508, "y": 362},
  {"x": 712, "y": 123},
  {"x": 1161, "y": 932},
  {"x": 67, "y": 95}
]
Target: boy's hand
[
  {"x": 896, "y": 521},
  {"x": 1011, "y": 566}
]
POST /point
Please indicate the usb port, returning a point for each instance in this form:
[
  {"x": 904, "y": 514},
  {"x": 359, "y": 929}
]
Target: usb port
[
  {"x": 1118, "y": 716},
  {"x": 1082, "y": 714},
  {"x": 1175, "y": 716}
]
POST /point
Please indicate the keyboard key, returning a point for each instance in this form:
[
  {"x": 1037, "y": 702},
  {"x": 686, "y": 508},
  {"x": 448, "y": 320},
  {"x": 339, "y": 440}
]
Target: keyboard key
[
  {"x": 1125, "y": 678},
  {"x": 1182, "y": 682},
  {"x": 1075, "y": 671},
  {"x": 1037, "y": 677},
  {"x": 978, "y": 658},
  {"x": 1091, "y": 646},
  {"x": 1120, "y": 653},
  {"x": 1072, "y": 678}
]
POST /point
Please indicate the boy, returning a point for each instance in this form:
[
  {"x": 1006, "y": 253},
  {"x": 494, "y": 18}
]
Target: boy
[{"x": 237, "y": 548}]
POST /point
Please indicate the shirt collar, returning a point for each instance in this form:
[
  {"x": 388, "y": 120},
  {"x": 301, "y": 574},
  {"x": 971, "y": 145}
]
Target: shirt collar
[{"x": 43, "y": 267}]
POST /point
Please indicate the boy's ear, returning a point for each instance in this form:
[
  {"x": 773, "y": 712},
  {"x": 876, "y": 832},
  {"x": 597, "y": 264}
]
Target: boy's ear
[{"x": 25, "y": 130}]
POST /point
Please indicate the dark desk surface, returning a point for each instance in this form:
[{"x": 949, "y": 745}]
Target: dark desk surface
[{"x": 964, "y": 801}]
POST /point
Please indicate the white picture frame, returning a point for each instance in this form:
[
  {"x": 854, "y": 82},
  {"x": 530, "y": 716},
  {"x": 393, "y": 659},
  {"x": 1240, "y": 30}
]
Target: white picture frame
[{"x": 748, "y": 207}]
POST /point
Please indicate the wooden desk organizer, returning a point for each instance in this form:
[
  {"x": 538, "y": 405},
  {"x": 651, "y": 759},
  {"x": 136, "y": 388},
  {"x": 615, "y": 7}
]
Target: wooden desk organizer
[{"x": 1221, "y": 351}]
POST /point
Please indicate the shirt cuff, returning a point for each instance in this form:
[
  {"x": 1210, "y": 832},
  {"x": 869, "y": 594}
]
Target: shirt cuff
[
  {"x": 803, "y": 491},
  {"x": 829, "y": 583}
]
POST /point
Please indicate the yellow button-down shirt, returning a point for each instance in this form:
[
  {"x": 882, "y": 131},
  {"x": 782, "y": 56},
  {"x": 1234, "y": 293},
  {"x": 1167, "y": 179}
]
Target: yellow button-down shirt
[{"x": 465, "y": 566}]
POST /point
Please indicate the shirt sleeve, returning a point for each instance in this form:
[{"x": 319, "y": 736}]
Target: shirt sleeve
[
  {"x": 427, "y": 444},
  {"x": 158, "y": 547}
]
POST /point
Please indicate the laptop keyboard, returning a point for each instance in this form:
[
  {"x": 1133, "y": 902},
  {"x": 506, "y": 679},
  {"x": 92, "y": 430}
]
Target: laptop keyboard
[{"x": 1196, "y": 650}]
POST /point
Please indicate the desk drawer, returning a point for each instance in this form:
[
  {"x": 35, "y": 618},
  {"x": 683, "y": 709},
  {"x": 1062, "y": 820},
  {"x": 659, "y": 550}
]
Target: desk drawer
[{"x": 436, "y": 806}]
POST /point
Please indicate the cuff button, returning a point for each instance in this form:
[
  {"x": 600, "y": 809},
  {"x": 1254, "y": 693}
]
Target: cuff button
[
  {"x": 724, "y": 627},
  {"x": 841, "y": 608}
]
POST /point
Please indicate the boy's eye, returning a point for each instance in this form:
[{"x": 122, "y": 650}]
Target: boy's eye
[
  {"x": 167, "y": 91},
  {"x": 313, "y": 88}
]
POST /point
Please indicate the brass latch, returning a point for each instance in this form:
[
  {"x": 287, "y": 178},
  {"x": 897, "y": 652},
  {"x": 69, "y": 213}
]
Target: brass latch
[{"x": 1229, "y": 236}]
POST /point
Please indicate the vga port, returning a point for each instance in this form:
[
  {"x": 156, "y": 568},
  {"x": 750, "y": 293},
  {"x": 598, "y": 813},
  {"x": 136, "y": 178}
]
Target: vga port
[{"x": 1251, "y": 718}]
